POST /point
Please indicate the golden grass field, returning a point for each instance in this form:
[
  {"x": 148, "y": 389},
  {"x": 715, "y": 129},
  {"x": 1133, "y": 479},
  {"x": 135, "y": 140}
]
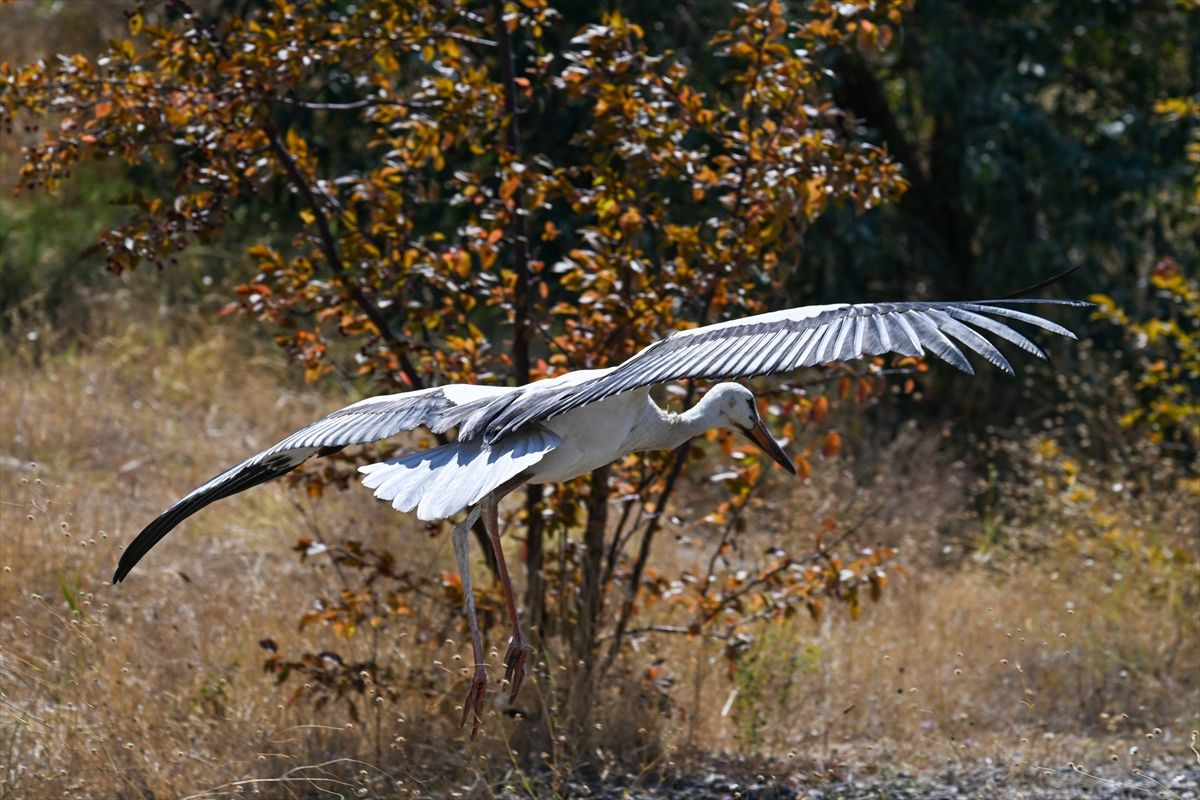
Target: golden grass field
[{"x": 1025, "y": 658}]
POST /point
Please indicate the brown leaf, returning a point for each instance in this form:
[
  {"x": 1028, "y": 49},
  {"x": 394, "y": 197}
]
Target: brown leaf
[{"x": 820, "y": 409}]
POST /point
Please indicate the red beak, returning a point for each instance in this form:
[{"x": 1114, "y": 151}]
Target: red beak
[{"x": 763, "y": 438}]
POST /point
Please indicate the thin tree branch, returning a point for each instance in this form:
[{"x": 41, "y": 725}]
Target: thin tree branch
[
  {"x": 727, "y": 532},
  {"x": 333, "y": 258},
  {"x": 518, "y": 231},
  {"x": 639, "y": 565}
]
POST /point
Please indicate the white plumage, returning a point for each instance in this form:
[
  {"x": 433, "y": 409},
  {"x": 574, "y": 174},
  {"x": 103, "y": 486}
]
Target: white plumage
[
  {"x": 578, "y": 421},
  {"x": 439, "y": 483},
  {"x": 558, "y": 428}
]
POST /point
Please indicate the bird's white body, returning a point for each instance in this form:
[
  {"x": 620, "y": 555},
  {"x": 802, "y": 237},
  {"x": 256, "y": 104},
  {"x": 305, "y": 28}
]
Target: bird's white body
[
  {"x": 438, "y": 483},
  {"x": 562, "y": 427},
  {"x": 622, "y": 424}
]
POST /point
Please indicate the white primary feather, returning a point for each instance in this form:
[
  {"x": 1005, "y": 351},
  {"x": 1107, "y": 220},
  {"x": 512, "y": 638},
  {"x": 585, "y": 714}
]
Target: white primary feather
[{"x": 441, "y": 482}]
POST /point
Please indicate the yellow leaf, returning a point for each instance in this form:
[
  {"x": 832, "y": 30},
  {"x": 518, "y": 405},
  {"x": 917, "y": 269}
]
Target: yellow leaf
[
  {"x": 136, "y": 21},
  {"x": 308, "y": 216},
  {"x": 387, "y": 61}
]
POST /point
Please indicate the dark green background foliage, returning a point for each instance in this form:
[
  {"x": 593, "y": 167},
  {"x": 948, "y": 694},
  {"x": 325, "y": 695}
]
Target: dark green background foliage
[{"x": 1029, "y": 136}]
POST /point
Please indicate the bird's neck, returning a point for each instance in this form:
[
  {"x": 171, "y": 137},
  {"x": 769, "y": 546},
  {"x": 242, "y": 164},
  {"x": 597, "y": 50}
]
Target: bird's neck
[{"x": 669, "y": 430}]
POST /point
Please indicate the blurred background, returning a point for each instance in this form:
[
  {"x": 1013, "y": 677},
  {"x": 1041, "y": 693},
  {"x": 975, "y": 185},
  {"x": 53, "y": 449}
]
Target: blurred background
[{"x": 989, "y": 578}]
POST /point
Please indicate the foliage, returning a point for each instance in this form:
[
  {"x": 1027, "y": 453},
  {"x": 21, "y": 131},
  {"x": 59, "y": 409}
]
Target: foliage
[
  {"x": 1167, "y": 351},
  {"x": 452, "y": 177},
  {"x": 1084, "y": 501},
  {"x": 1032, "y": 136}
]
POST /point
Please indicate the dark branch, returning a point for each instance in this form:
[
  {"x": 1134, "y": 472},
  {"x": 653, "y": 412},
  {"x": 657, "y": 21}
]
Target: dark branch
[{"x": 333, "y": 258}]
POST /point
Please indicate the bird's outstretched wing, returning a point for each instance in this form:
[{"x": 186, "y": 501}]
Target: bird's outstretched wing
[
  {"x": 780, "y": 341},
  {"x": 366, "y": 421}
]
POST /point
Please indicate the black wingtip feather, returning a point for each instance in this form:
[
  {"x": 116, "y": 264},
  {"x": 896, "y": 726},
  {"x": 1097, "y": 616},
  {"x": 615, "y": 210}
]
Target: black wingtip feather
[
  {"x": 1028, "y": 290},
  {"x": 165, "y": 522}
]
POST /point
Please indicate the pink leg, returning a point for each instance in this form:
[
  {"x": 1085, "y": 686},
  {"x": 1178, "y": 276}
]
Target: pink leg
[{"x": 518, "y": 649}]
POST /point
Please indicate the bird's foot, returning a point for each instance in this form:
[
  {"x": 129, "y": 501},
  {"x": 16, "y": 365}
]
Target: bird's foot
[
  {"x": 515, "y": 660},
  {"x": 473, "y": 704}
]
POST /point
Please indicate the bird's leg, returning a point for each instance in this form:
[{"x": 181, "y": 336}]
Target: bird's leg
[
  {"x": 475, "y": 695},
  {"x": 518, "y": 649}
]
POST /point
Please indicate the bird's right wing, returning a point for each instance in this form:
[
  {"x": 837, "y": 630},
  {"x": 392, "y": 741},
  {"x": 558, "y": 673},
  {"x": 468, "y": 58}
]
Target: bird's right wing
[
  {"x": 368, "y": 420},
  {"x": 781, "y": 341}
]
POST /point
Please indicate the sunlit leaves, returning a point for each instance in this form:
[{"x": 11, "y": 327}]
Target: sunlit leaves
[
  {"x": 422, "y": 234},
  {"x": 1167, "y": 350}
]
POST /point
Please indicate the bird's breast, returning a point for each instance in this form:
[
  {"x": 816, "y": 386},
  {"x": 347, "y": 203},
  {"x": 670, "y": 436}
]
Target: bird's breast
[{"x": 594, "y": 435}]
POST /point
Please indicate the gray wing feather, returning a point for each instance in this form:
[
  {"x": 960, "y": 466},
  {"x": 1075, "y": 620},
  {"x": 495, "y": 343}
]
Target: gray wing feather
[
  {"x": 939, "y": 343},
  {"x": 971, "y": 339},
  {"x": 885, "y": 338},
  {"x": 907, "y": 340},
  {"x": 366, "y": 421},
  {"x": 843, "y": 347},
  {"x": 996, "y": 329},
  {"x": 786, "y": 340}
]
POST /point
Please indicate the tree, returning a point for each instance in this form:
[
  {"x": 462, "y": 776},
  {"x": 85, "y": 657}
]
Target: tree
[
  {"x": 1030, "y": 137},
  {"x": 466, "y": 194}
]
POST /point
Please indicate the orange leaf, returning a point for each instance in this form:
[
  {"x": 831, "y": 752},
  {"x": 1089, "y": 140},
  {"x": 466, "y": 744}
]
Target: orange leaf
[
  {"x": 509, "y": 188},
  {"x": 864, "y": 391},
  {"x": 803, "y": 468},
  {"x": 820, "y": 409},
  {"x": 832, "y": 445}
]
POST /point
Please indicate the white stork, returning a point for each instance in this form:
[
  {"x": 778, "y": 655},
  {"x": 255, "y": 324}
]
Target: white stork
[{"x": 562, "y": 427}]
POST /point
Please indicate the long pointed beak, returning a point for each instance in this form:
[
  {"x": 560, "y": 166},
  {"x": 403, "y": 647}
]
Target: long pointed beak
[{"x": 763, "y": 438}]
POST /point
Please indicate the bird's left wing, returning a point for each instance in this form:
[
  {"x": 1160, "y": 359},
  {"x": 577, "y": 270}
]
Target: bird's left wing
[
  {"x": 781, "y": 341},
  {"x": 368, "y": 420}
]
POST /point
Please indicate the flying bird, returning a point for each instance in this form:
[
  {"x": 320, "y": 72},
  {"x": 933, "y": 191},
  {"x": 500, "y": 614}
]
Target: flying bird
[{"x": 558, "y": 428}]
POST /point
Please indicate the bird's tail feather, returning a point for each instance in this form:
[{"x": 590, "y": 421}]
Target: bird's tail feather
[{"x": 444, "y": 480}]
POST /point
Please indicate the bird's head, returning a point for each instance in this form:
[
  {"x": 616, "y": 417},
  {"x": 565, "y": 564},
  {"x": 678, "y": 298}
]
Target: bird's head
[{"x": 735, "y": 407}]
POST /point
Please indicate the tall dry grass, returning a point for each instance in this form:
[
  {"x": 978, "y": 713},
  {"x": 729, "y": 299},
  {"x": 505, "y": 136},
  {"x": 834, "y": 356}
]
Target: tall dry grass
[
  {"x": 153, "y": 688},
  {"x": 1015, "y": 654}
]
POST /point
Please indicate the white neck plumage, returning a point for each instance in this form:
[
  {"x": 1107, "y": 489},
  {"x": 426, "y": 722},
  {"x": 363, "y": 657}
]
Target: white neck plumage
[{"x": 665, "y": 430}]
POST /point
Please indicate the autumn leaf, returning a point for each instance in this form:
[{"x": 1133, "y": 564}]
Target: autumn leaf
[{"x": 820, "y": 409}]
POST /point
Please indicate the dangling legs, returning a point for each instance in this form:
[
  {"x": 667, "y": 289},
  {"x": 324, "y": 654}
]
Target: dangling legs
[
  {"x": 518, "y": 649},
  {"x": 475, "y": 695}
]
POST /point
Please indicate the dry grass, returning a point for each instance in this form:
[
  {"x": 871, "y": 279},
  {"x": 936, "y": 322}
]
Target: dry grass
[
  {"x": 155, "y": 688},
  {"x": 1073, "y": 654}
]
